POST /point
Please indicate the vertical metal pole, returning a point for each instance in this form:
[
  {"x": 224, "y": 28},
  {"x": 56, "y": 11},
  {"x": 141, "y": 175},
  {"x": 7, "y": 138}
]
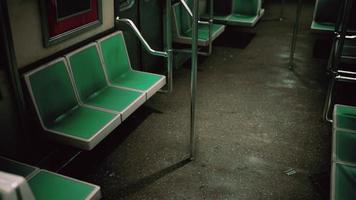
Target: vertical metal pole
[
  {"x": 194, "y": 79},
  {"x": 328, "y": 100},
  {"x": 211, "y": 13},
  {"x": 169, "y": 49},
  {"x": 295, "y": 35},
  {"x": 281, "y": 14}
]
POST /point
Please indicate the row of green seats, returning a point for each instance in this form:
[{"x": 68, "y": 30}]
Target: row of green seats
[
  {"x": 182, "y": 27},
  {"x": 30, "y": 183},
  {"x": 245, "y": 13},
  {"x": 84, "y": 96},
  {"x": 343, "y": 173},
  {"x": 326, "y": 15}
]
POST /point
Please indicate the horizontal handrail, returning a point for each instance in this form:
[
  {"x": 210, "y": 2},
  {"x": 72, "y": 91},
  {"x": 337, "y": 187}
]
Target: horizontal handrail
[
  {"x": 345, "y": 78},
  {"x": 140, "y": 37},
  {"x": 186, "y": 7}
]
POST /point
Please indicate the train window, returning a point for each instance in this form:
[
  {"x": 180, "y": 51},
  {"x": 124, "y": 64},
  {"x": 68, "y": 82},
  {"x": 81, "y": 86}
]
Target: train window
[
  {"x": 69, "y": 8},
  {"x": 126, "y": 4}
]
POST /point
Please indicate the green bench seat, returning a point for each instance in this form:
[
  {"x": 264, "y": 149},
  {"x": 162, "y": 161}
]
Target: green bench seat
[
  {"x": 59, "y": 111},
  {"x": 344, "y": 146},
  {"x": 343, "y": 172},
  {"x": 47, "y": 185},
  {"x": 320, "y": 27},
  {"x": 245, "y": 13},
  {"x": 343, "y": 182},
  {"x": 325, "y": 16},
  {"x": 344, "y": 117},
  {"x": 118, "y": 70},
  {"x": 93, "y": 88},
  {"x": 182, "y": 27}
]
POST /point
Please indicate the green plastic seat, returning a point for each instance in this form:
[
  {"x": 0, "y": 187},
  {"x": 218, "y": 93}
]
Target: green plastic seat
[
  {"x": 183, "y": 28},
  {"x": 245, "y": 13},
  {"x": 322, "y": 27},
  {"x": 93, "y": 88},
  {"x": 118, "y": 69},
  {"x": 325, "y": 16},
  {"x": 47, "y": 185},
  {"x": 345, "y": 117},
  {"x": 345, "y": 146},
  {"x": 343, "y": 182},
  {"x": 59, "y": 111}
]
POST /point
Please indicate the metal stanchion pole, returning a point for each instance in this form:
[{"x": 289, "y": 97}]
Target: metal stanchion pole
[
  {"x": 281, "y": 14},
  {"x": 169, "y": 48},
  {"x": 295, "y": 35},
  {"x": 194, "y": 79}
]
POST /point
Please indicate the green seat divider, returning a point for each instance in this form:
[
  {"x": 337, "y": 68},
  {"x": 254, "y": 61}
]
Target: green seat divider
[
  {"x": 344, "y": 117},
  {"x": 59, "y": 111},
  {"x": 92, "y": 86},
  {"x": 47, "y": 185},
  {"x": 345, "y": 146},
  {"x": 343, "y": 182},
  {"x": 13, "y": 187},
  {"x": 18, "y": 168},
  {"x": 183, "y": 27},
  {"x": 118, "y": 69}
]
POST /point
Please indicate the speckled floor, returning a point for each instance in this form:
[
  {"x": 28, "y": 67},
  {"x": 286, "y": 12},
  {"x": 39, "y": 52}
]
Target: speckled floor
[{"x": 255, "y": 119}]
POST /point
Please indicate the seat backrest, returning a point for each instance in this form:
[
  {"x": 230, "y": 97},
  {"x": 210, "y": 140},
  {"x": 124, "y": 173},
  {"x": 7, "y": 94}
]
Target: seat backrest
[
  {"x": 181, "y": 18},
  {"x": 326, "y": 11},
  {"x": 114, "y": 54},
  {"x": 86, "y": 68},
  {"x": 51, "y": 91},
  {"x": 247, "y": 7}
]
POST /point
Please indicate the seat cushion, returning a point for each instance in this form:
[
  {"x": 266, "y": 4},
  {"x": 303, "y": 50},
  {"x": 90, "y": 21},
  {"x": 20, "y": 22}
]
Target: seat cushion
[
  {"x": 345, "y": 117},
  {"x": 323, "y": 27},
  {"x": 117, "y": 99},
  {"x": 84, "y": 127},
  {"x": 138, "y": 80},
  {"x": 203, "y": 32},
  {"x": 47, "y": 185},
  {"x": 345, "y": 146},
  {"x": 344, "y": 182}
]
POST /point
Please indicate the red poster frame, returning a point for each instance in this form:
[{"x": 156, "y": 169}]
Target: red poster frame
[{"x": 56, "y": 30}]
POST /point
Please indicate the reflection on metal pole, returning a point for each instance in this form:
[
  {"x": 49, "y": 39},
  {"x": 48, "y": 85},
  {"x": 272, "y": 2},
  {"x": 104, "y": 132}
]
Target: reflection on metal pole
[
  {"x": 281, "y": 14},
  {"x": 295, "y": 35},
  {"x": 194, "y": 79},
  {"x": 169, "y": 48}
]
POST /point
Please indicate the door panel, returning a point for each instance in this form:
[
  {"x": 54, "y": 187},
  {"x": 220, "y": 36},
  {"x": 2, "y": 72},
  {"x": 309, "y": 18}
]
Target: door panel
[
  {"x": 10, "y": 132},
  {"x": 151, "y": 26}
]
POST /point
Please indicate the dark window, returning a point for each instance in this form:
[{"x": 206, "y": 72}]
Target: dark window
[{"x": 67, "y": 8}]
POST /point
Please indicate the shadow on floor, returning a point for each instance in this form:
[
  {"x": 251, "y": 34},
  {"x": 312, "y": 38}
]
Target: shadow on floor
[
  {"x": 241, "y": 38},
  {"x": 146, "y": 181}
]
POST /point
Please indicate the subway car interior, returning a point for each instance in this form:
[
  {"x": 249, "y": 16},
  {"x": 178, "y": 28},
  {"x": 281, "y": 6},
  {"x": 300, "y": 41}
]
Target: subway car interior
[{"x": 178, "y": 99}]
